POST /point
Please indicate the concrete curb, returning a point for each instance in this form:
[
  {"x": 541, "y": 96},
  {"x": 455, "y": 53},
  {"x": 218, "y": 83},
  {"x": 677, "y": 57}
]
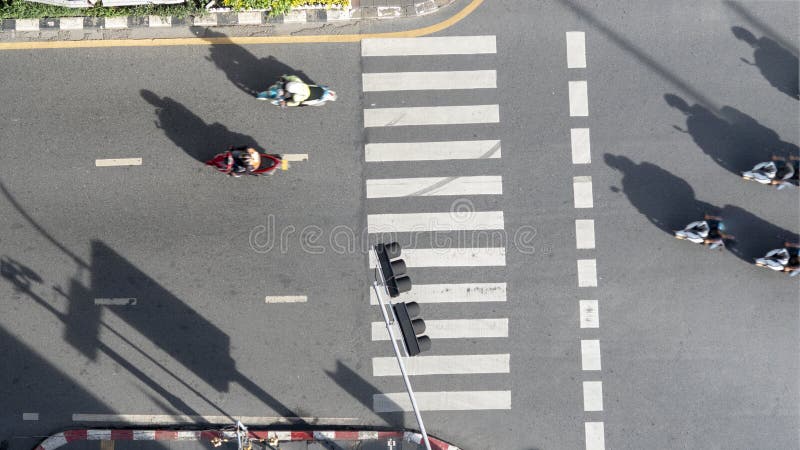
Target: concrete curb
[
  {"x": 65, "y": 437},
  {"x": 221, "y": 17}
]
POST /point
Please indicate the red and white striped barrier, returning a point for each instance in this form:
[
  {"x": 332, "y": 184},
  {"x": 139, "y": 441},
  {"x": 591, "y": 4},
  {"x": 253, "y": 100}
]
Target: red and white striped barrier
[{"x": 60, "y": 439}]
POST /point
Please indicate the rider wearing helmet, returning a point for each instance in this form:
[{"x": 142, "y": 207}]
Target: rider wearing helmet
[{"x": 296, "y": 91}]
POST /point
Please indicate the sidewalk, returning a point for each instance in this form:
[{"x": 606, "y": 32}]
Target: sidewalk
[{"x": 172, "y": 439}]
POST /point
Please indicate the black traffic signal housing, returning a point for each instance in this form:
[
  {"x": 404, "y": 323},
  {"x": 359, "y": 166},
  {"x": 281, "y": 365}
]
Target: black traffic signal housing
[
  {"x": 412, "y": 328},
  {"x": 394, "y": 272}
]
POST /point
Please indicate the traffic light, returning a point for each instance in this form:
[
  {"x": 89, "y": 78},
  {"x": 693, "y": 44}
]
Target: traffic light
[
  {"x": 394, "y": 272},
  {"x": 412, "y": 328}
]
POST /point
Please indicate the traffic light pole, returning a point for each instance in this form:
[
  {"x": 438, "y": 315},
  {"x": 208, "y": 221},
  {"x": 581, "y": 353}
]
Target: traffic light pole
[{"x": 400, "y": 363}]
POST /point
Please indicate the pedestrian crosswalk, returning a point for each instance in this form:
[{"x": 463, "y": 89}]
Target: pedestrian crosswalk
[{"x": 419, "y": 162}]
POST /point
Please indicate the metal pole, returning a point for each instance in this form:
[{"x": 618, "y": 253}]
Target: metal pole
[{"x": 402, "y": 366}]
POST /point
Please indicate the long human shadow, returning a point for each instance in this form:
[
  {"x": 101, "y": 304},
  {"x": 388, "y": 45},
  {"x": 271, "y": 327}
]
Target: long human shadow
[
  {"x": 731, "y": 138},
  {"x": 246, "y": 71},
  {"x": 666, "y": 200},
  {"x": 192, "y": 134},
  {"x": 754, "y": 235},
  {"x": 777, "y": 65},
  {"x": 189, "y": 338}
]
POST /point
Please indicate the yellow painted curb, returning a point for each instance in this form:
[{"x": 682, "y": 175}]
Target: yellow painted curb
[{"x": 325, "y": 38}]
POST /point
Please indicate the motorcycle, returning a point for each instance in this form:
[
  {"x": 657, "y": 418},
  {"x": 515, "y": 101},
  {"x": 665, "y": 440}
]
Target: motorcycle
[
  {"x": 245, "y": 161},
  {"x": 786, "y": 259},
  {"x": 777, "y": 172},
  {"x": 709, "y": 231},
  {"x": 277, "y": 95}
]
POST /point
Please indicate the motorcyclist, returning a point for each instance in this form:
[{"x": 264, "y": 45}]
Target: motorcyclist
[{"x": 295, "y": 90}]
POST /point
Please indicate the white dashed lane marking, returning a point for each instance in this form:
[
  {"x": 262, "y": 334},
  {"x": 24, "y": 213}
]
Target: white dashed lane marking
[
  {"x": 590, "y": 316},
  {"x": 587, "y": 273},
  {"x": 30, "y": 416},
  {"x": 580, "y": 142},
  {"x": 430, "y": 151},
  {"x": 452, "y": 293},
  {"x": 578, "y": 99},
  {"x": 576, "y": 50},
  {"x": 592, "y": 395},
  {"x": 427, "y": 187},
  {"x": 442, "y": 401},
  {"x": 451, "y": 329},
  {"x": 431, "y": 115},
  {"x": 452, "y": 257},
  {"x": 590, "y": 354},
  {"x": 118, "y": 162},
  {"x": 584, "y": 234},
  {"x": 443, "y": 365},
  {"x": 414, "y": 81},
  {"x": 419, "y": 222},
  {"x": 595, "y": 436},
  {"x": 285, "y": 299},
  {"x": 444, "y": 45},
  {"x": 582, "y": 189}
]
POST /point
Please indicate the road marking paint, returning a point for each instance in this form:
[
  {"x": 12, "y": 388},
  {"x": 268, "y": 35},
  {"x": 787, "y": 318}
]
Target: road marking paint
[
  {"x": 595, "y": 436},
  {"x": 592, "y": 395},
  {"x": 590, "y": 354},
  {"x": 576, "y": 49},
  {"x": 243, "y": 40},
  {"x": 107, "y": 445},
  {"x": 451, "y": 293},
  {"x": 294, "y": 157},
  {"x": 165, "y": 419},
  {"x": 417, "y": 222},
  {"x": 431, "y": 151},
  {"x": 442, "y": 401},
  {"x": 443, "y": 45},
  {"x": 111, "y": 23},
  {"x": 451, "y": 257},
  {"x": 587, "y": 273},
  {"x": 426, "y": 187},
  {"x": 70, "y": 23},
  {"x": 578, "y": 99},
  {"x": 582, "y": 189},
  {"x": 98, "y": 435},
  {"x": 590, "y": 314},
  {"x": 249, "y": 17},
  {"x": 428, "y": 81},
  {"x": 30, "y": 416},
  {"x": 431, "y": 115},
  {"x": 451, "y": 329},
  {"x": 115, "y": 301},
  {"x": 443, "y": 365},
  {"x": 159, "y": 22},
  {"x": 584, "y": 234},
  {"x": 118, "y": 162},
  {"x": 581, "y": 153},
  {"x": 26, "y": 25},
  {"x": 285, "y": 299}
]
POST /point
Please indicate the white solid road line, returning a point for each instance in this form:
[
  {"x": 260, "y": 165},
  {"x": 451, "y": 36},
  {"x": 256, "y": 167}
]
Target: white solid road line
[
  {"x": 580, "y": 141},
  {"x": 443, "y": 401},
  {"x": 590, "y": 354},
  {"x": 431, "y": 115},
  {"x": 584, "y": 234},
  {"x": 578, "y": 99},
  {"x": 418, "y": 222},
  {"x": 452, "y": 293},
  {"x": 426, "y": 187},
  {"x": 428, "y": 81},
  {"x": 592, "y": 395},
  {"x": 30, "y": 416},
  {"x": 451, "y": 329},
  {"x": 595, "y": 436},
  {"x": 576, "y": 50},
  {"x": 443, "y": 365},
  {"x": 582, "y": 189},
  {"x": 445, "y": 45},
  {"x": 115, "y": 301},
  {"x": 294, "y": 157},
  {"x": 587, "y": 273},
  {"x": 285, "y": 299},
  {"x": 431, "y": 151},
  {"x": 589, "y": 313},
  {"x": 452, "y": 257},
  {"x": 165, "y": 419},
  {"x": 118, "y": 162}
]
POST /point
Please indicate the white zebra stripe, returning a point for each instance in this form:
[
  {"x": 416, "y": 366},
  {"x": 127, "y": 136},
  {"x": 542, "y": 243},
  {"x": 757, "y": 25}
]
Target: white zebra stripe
[
  {"x": 428, "y": 81},
  {"x": 443, "y": 45},
  {"x": 452, "y": 293},
  {"x": 427, "y": 187},
  {"x": 431, "y": 151},
  {"x": 431, "y": 115}
]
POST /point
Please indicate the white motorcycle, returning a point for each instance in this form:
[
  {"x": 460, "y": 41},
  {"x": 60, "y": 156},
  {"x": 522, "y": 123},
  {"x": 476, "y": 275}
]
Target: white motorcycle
[
  {"x": 709, "y": 231},
  {"x": 777, "y": 172},
  {"x": 782, "y": 260}
]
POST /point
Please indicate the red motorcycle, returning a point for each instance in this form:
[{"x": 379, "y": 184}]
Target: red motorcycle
[{"x": 245, "y": 161}]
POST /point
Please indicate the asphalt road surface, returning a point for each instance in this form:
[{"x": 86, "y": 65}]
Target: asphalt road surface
[{"x": 534, "y": 181}]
